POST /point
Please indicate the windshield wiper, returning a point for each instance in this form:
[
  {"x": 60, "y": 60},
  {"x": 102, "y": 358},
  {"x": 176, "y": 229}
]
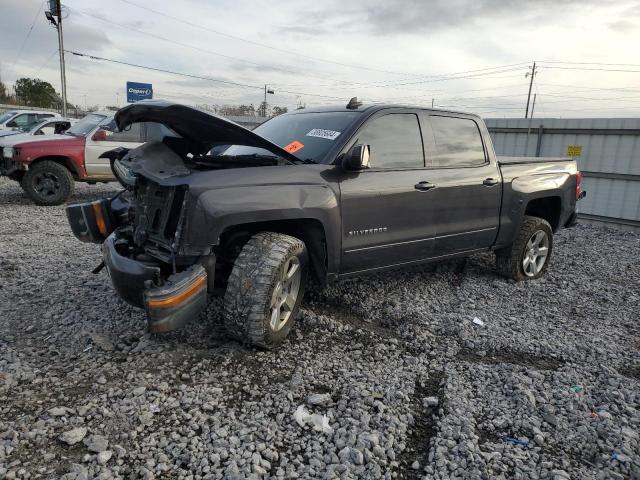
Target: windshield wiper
[{"x": 307, "y": 161}]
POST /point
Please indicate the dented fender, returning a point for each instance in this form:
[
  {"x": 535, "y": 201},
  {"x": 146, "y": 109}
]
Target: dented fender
[{"x": 214, "y": 211}]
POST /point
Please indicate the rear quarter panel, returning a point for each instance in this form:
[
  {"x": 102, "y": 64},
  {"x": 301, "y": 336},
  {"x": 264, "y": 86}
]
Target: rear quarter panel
[{"x": 525, "y": 180}]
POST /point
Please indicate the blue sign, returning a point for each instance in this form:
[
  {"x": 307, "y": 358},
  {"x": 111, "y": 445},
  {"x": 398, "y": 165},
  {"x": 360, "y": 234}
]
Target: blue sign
[{"x": 138, "y": 91}]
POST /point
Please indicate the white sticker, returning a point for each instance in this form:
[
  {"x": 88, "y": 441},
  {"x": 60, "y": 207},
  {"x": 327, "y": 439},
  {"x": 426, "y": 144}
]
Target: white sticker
[{"x": 322, "y": 133}]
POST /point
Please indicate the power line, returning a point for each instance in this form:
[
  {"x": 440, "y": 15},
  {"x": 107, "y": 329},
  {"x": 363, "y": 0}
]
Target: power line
[
  {"x": 432, "y": 77},
  {"x": 260, "y": 44},
  {"x": 593, "y": 63},
  {"x": 24, "y": 42},
  {"x": 593, "y": 69},
  {"x": 200, "y": 49},
  {"x": 199, "y": 77}
]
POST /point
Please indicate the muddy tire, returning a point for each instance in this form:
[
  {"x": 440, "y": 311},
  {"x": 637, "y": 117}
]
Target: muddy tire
[
  {"x": 48, "y": 183},
  {"x": 265, "y": 289},
  {"x": 528, "y": 257}
]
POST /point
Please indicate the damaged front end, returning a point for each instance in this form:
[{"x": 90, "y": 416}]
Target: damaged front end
[{"x": 140, "y": 230}]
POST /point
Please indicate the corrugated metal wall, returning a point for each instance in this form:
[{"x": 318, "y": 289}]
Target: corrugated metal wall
[{"x": 610, "y": 158}]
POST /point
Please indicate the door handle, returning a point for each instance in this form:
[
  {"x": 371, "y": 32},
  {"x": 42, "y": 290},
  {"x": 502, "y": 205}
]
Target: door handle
[
  {"x": 490, "y": 182},
  {"x": 424, "y": 186}
]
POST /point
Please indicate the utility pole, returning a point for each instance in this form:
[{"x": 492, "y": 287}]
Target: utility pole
[
  {"x": 432, "y": 100},
  {"x": 55, "y": 10},
  {"x": 533, "y": 74},
  {"x": 533, "y": 105},
  {"x": 264, "y": 105}
]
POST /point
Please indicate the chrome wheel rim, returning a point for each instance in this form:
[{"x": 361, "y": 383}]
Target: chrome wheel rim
[
  {"x": 285, "y": 293},
  {"x": 535, "y": 253}
]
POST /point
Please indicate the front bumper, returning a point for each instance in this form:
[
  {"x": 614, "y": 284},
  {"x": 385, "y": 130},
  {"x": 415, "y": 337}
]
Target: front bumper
[
  {"x": 8, "y": 166},
  {"x": 169, "y": 301}
]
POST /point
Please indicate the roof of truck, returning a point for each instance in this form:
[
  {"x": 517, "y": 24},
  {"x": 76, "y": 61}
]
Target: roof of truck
[{"x": 374, "y": 107}]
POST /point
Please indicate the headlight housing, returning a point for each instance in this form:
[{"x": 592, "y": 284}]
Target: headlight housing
[
  {"x": 7, "y": 152},
  {"x": 123, "y": 173}
]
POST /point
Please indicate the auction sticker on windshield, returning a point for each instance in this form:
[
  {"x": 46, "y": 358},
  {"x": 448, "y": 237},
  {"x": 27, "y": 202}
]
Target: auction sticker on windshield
[
  {"x": 322, "y": 133},
  {"x": 294, "y": 146}
]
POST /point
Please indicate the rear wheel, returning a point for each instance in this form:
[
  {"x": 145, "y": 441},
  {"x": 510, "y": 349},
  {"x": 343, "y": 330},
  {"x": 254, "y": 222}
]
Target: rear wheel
[
  {"x": 48, "y": 183},
  {"x": 528, "y": 257},
  {"x": 265, "y": 289}
]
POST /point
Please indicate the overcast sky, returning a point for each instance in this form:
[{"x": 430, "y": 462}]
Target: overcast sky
[{"x": 465, "y": 54}]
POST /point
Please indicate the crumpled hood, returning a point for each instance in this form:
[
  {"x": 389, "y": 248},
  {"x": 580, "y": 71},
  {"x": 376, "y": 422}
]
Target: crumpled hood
[{"x": 201, "y": 129}]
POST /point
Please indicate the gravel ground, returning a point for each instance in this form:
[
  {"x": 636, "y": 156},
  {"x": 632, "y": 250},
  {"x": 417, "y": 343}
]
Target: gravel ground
[{"x": 544, "y": 384}]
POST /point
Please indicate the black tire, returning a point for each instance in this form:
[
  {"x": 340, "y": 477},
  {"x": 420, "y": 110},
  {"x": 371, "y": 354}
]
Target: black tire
[
  {"x": 48, "y": 183},
  {"x": 256, "y": 280},
  {"x": 509, "y": 261}
]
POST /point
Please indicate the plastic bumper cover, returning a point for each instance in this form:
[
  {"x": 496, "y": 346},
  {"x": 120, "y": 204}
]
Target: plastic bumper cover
[{"x": 181, "y": 296}]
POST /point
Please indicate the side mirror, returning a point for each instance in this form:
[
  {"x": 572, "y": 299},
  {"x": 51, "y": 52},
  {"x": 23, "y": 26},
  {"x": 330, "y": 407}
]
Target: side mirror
[
  {"x": 100, "y": 135},
  {"x": 357, "y": 158}
]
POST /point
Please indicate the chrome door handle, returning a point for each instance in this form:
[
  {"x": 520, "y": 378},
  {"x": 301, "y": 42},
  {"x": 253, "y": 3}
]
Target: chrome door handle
[
  {"x": 424, "y": 186},
  {"x": 490, "y": 182}
]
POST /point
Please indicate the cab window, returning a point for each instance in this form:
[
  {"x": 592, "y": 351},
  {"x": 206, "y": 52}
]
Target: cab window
[
  {"x": 394, "y": 141},
  {"x": 131, "y": 134},
  {"x": 457, "y": 142}
]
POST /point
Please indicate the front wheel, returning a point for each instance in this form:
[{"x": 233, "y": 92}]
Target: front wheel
[
  {"x": 48, "y": 183},
  {"x": 265, "y": 289},
  {"x": 528, "y": 257}
]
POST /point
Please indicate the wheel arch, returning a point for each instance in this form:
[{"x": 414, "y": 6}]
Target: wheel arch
[
  {"x": 61, "y": 160},
  {"x": 549, "y": 208},
  {"x": 310, "y": 230}
]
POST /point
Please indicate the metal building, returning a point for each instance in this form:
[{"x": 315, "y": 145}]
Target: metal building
[{"x": 607, "y": 151}]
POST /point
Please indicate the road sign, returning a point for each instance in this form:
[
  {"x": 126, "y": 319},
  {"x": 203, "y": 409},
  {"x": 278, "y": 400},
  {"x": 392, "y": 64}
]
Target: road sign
[
  {"x": 138, "y": 91},
  {"x": 574, "y": 150}
]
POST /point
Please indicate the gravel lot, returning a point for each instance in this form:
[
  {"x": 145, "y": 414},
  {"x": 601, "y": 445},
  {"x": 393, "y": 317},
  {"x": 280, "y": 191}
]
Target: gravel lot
[{"x": 547, "y": 387}]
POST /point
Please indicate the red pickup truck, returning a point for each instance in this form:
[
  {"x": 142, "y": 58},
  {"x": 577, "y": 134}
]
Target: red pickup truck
[{"x": 48, "y": 167}]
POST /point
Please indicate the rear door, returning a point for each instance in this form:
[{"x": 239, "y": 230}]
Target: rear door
[
  {"x": 385, "y": 219},
  {"x": 101, "y": 167},
  {"x": 467, "y": 183}
]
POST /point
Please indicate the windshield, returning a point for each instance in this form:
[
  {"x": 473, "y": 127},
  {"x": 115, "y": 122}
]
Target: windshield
[
  {"x": 85, "y": 125},
  {"x": 308, "y": 136},
  {"x": 33, "y": 128},
  {"x": 6, "y": 116}
]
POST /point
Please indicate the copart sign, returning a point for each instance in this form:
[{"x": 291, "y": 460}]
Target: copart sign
[{"x": 139, "y": 91}]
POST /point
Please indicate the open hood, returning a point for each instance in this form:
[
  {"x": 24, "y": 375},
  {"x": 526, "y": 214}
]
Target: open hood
[{"x": 201, "y": 129}]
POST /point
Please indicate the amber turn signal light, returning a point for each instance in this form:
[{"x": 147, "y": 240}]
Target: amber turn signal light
[{"x": 180, "y": 297}]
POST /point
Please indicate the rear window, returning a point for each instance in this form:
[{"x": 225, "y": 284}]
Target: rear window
[{"x": 457, "y": 142}]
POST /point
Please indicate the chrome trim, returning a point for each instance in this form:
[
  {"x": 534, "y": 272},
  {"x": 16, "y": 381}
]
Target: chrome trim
[{"x": 419, "y": 240}]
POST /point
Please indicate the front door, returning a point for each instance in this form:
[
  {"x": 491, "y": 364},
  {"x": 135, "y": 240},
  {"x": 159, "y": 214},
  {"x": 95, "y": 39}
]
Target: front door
[
  {"x": 100, "y": 167},
  {"x": 387, "y": 218}
]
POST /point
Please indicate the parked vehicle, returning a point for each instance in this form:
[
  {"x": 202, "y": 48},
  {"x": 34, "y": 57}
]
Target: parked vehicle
[
  {"x": 317, "y": 194},
  {"x": 47, "y": 167},
  {"x": 55, "y": 126},
  {"x": 20, "y": 119}
]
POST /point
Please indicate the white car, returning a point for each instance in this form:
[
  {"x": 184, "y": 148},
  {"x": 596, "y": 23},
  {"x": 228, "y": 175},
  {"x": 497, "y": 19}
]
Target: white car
[
  {"x": 21, "y": 119},
  {"x": 46, "y": 128}
]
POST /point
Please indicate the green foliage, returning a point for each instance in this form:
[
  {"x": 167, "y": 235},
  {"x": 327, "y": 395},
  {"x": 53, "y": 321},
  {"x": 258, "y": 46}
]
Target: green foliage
[{"x": 36, "y": 93}]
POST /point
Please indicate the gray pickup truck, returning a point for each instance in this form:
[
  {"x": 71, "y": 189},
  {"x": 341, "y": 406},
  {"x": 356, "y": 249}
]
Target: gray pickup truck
[{"x": 314, "y": 195}]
